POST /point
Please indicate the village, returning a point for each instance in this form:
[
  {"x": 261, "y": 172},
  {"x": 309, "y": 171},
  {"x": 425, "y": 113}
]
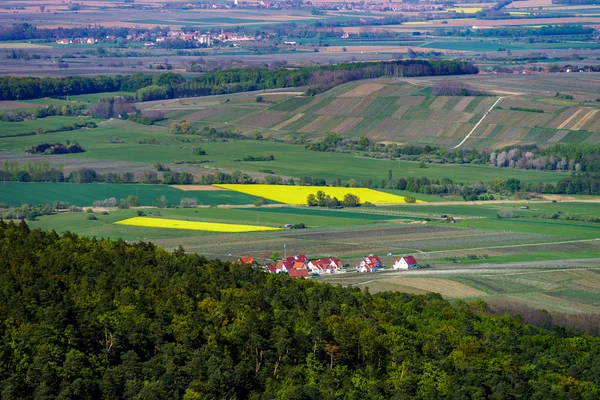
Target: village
[
  {"x": 206, "y": 39},
  {"x": 301, "y": 266}
]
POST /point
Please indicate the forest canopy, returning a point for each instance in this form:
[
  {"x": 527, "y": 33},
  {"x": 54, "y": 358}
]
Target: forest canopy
[{"x": 87, "y": 319}]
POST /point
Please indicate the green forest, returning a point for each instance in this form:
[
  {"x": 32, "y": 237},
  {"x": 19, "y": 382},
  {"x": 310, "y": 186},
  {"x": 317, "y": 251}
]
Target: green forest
[{"x": 86, "y": 318}]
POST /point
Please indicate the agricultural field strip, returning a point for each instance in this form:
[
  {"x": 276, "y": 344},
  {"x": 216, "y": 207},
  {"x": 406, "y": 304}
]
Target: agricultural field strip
[
  {"x": 298, "y": 194},
  {"x": 430, "y": 238},
  {"x": 192, "y": 225},
  {"x": 510, "y": 246},
  {"x": 400, "y": 213}
]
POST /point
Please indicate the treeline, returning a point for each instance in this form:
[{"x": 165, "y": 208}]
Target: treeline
[
  {"x": 55, "y": 148},
  {"x": 520, "y": 32},
  {"x": 29, "y": 32},
  {"x": 43, "y": 112},
  {"x": 14, "y": 88},
  {"x": 105, "y": 319},
  {"x": 171, "y": 85}
]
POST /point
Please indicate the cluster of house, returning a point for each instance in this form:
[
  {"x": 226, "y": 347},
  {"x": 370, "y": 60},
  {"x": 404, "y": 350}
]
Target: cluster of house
[
  {"x": 301, "y": 267},
  {"x": 77, "y": 41},
  {"x": 207, "y": 38}
]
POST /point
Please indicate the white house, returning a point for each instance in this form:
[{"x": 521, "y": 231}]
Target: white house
[{"x": 406, "y": 262}]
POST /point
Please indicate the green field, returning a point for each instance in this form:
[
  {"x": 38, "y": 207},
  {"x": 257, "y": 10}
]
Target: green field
[
  {"x": 13, "y": 128},
  {"x": 290, "y": 160},
  {"x": 15, "y": 193}
]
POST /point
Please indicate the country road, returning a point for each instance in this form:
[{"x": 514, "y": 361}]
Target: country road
[{"x": 479, "y": 123}]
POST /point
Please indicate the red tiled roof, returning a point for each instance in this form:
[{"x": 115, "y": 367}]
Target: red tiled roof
[
  {"x": 246, "y": 260},
  {"x": 271, "y": 268},
  {"x": 298, "y": 273},
  {"x": 298, "y": 265},
  {"x": 285, "y": 263},
  {"x": 410, "y": 260}
]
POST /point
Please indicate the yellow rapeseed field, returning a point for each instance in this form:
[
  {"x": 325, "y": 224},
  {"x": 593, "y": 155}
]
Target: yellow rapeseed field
[
  {"x": 298, "y": 194},
  {"x": 192, "y": 225},
  {"x": 466, "y": 10}
]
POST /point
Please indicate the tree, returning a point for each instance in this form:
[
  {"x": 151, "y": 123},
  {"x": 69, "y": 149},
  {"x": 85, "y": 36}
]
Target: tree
[
  {"x": 312, "y": 201},
  {"x": 351, "y": 200},
  {"x": 275, "y": 256},
  {"x": 133, "y": 201}
]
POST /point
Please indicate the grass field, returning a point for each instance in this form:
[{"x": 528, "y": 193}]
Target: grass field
[
  {"x": 15, "y": 193},
  {"x": 290, "y": 160},
  {"x": 13, "y": 128}
]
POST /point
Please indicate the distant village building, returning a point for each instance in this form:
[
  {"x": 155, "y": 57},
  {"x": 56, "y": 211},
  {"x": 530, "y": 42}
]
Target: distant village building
[
  {"x": 370, "y": 264},
  {"x": 406, "y": 262}
]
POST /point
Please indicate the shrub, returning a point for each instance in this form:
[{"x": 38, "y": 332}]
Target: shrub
[
  {"x": 91, "y": 217},
  {"x": 410, "y": 199}
]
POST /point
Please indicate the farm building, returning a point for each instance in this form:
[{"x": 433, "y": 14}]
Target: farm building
[
  {"x": 406, "y": 262},
  {"x": 370, "y": 264}
]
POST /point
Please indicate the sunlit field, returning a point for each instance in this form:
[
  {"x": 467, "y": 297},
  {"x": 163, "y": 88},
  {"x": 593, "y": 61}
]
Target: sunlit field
[
  {"x": 298, "y": 194},
  {"x": 192, "y": 225}
]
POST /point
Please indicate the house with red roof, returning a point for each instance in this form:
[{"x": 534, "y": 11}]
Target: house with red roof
[
  {"x": 298, "y": 273},
  {"x": 272, "y": 269},
  {"x": 327, "y": 265},
  {"x": 370, "y": 264},
  {"x": 285, "y": 263},
  {"x": 406, "y": 262},
  {"x": 247, "y": 260}
]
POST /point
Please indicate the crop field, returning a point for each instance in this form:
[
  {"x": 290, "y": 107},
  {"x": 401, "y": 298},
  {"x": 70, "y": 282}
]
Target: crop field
[
  {"x": 192, "y": 225},
  {"x": 298, "y": 194},
  {"x": 404, "y": 112},
  {"x": 15, "y": 193}
]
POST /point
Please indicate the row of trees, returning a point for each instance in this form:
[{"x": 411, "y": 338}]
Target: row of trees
[
  {"x": 43, "y": 112},
  {"x": 91, "y": 319}
]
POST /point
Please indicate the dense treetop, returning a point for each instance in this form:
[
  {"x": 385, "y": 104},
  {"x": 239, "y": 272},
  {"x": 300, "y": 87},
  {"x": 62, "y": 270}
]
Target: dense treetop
[{"x": 86, "y": 319}]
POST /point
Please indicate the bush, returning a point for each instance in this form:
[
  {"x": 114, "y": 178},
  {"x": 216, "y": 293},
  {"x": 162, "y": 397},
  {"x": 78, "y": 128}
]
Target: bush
[
  {"x": 199, "y": 151},
  {"x": 91, "y": 217},
  {"x": 188, "y": 202},
  {"x": 410, "y": 199},
  {"x": 261, "y": 201}
]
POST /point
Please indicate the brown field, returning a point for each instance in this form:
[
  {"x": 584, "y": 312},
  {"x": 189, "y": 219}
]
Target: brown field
[
  {"x": 445, "y": 287},
  {"x": 187, "y": 188},
  {"x": 289, "y": 121},
  {"x": 348, "y": 124},
  {"x": 363, "y": 90}
]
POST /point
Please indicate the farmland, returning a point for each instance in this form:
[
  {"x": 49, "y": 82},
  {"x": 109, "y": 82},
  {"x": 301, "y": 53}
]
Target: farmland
[
  {"x": 191, "y": 225},
  {"x": 402, "y": 112},
  {"x": 297, "y": 194},
  {"x": 492, "y": 257}
]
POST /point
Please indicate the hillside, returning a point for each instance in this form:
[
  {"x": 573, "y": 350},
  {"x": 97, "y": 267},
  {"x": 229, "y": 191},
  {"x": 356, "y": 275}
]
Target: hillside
[
  {"x": 90, "y": 319},
  {"x": 398, "y": 111}
]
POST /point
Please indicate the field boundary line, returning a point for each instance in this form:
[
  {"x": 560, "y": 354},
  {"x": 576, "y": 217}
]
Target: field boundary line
[
  {"x": 479, "y": 123},
  {"x": 514, "y": 245}
]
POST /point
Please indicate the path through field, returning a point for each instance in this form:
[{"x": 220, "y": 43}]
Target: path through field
[{"x": 479, "y": 123}]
